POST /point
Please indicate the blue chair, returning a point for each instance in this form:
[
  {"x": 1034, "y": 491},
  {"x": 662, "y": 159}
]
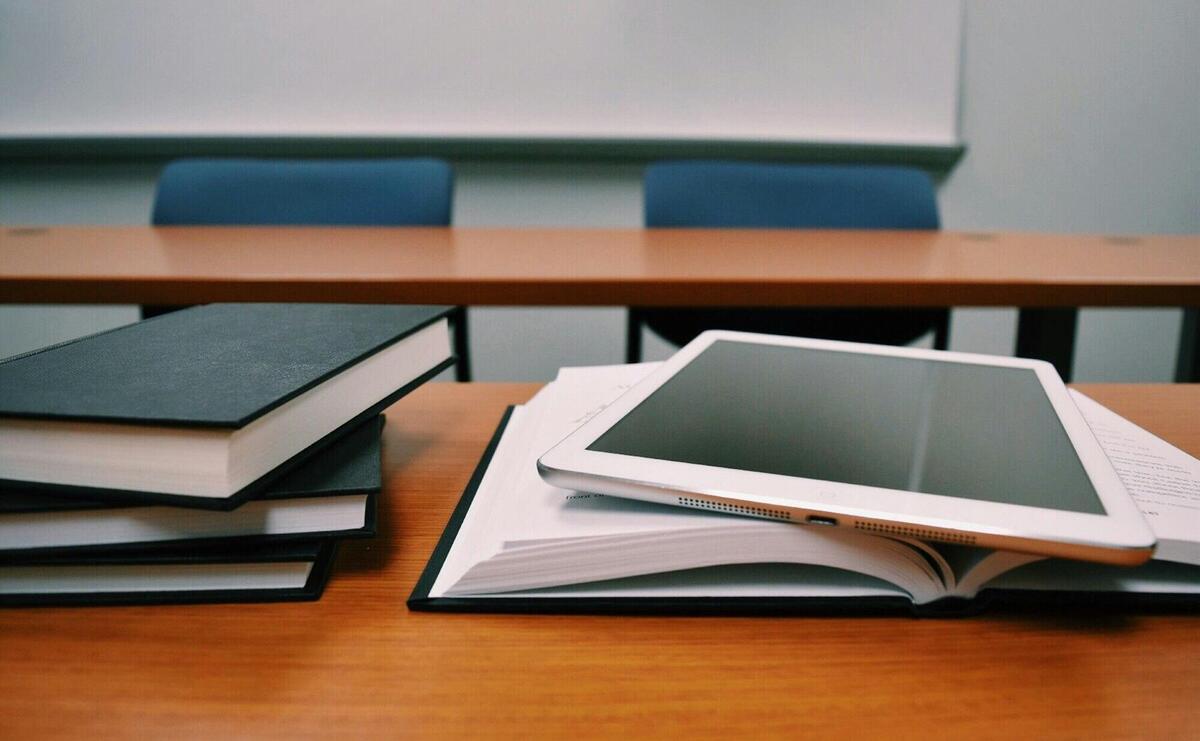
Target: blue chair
[
  {"x": 386, "y": 192},
  {"x": 736, "y": 195}
]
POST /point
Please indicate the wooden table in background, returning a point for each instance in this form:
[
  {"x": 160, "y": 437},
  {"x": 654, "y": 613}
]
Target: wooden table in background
[
  {"x": 358, "y": 663},
  {"x": 1048, "y": 275}
]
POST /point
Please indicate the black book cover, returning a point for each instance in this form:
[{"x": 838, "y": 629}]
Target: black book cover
[
  {"x": 220, "y": 365},
  {"x": 120, "y": 496},
  {"x": 318, "y": 552},
  {"x": 987, "y": 600},
  {"x": 351, "y": 465}
]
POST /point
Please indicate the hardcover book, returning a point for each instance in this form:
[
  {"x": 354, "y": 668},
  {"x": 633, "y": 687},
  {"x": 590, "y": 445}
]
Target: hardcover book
[
  {"x": 175, "y": 574},
  {"x": 515, "y": 543},
  {"x": 332, "y": 494},
  {"x": 205, "y": 407}
]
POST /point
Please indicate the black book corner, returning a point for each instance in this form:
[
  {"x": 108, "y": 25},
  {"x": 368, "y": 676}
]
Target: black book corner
[{"x": 129, "y": 478}]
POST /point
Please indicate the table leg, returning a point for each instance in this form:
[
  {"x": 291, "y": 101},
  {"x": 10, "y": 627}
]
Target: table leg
[
  {"x": 1048, "y": 334},
  {"x": 1187, "y": 367}
]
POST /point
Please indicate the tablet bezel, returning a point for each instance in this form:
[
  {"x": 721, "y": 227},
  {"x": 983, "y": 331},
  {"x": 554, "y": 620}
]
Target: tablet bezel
[{"x": 1119, "y": 536}]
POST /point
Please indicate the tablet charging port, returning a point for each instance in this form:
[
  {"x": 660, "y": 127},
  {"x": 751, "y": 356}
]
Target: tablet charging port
[{"x": 819, "y": 520}]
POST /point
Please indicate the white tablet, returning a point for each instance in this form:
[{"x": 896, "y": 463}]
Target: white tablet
[{"x": 943, "y": 446}]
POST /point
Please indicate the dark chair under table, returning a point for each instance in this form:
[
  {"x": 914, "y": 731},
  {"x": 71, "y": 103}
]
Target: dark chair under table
[{"x": 739, "y": 195}]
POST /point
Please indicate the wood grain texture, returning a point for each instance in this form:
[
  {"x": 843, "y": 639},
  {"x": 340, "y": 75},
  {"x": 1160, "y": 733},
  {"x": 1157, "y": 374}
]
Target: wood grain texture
[
  {"x": 357, "y": 663},
  {"x": 680, "y": 267}
]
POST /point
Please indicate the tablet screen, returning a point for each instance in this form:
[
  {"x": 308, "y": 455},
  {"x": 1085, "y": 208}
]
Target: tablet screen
[{"x": 939, "y": 427}]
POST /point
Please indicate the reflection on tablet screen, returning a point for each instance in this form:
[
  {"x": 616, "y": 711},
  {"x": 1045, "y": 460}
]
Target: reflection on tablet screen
[{"x": 933, "y": 426}]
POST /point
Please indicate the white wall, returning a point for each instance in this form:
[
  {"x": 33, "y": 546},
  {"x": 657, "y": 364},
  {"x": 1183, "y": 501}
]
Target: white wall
[
  {"x": 1084, "y": 116},
  {"x": 541, "y": 68},
  {"x": 1080, "y": 117}
]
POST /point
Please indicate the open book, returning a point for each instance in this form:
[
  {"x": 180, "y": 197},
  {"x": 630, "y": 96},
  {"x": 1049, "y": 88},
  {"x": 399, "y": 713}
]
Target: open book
[{"x": 517, "y": 543}]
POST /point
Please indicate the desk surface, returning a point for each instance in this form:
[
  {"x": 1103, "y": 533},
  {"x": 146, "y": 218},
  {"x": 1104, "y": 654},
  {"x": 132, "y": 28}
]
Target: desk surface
[
  {"x": 182, "y": 265},
  {"x": 358, "y": 662}
]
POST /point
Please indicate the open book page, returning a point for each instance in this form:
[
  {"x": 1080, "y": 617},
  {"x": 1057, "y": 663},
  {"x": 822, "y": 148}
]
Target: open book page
[
  {"x": 525, "y": 534},
  {"x": 975, "y": 567},
  {"x": 478, "y": 536},
  {"x": 558, "y": 564},
  {"x": 752, "y": 581},
  {"x": 476, "y": 539},
  {"x": 510, "y": 496},
  {"x": 1162, "y": 479}
]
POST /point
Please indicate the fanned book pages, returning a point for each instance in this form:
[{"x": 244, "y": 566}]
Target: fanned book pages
[
  {"x": 332, "y": 494},
  {"x": 516, "y": 543},
  {"x": 205, "y": 407}
]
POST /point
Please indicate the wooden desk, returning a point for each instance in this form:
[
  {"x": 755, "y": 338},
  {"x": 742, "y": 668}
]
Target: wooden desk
[
  {"x": 359, "y": 663},
  {"x": 1048, "y": 275}
]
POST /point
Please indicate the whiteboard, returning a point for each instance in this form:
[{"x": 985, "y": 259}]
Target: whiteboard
[{"x": 867, "y": 71}]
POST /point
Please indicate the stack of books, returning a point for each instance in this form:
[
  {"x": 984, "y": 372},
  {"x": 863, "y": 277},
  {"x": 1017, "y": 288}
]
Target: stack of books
[
  {"x": 517, "y": 544},
  {"x": 213, "y": 454}
]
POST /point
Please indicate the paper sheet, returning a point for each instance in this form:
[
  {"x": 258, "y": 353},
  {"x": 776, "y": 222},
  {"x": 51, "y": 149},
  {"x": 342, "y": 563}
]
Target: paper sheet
[{"x": 1162, "y": 479}]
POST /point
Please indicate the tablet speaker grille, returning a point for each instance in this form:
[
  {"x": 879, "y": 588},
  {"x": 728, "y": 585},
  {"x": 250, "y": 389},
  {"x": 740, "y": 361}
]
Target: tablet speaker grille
[
  {"x": 737, "y": 509},
  {"x": 944, "y": 536}
]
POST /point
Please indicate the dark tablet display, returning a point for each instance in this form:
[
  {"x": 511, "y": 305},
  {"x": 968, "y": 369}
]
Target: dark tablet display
[{"x": 934, "y": 426}]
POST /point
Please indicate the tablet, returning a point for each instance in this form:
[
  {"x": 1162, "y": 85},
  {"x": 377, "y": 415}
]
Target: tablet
[{"x": 943, "y": 446}]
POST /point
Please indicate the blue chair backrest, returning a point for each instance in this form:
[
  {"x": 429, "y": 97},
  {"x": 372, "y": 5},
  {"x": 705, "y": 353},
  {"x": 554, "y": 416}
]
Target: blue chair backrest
[
  {"x": 781, "y": 196},
  {"x": 385, "y": 192}
]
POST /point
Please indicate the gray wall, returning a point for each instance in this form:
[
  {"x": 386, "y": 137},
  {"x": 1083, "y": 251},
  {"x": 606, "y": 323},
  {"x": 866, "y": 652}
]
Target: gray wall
[{"x": 1080, "y": 117}]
